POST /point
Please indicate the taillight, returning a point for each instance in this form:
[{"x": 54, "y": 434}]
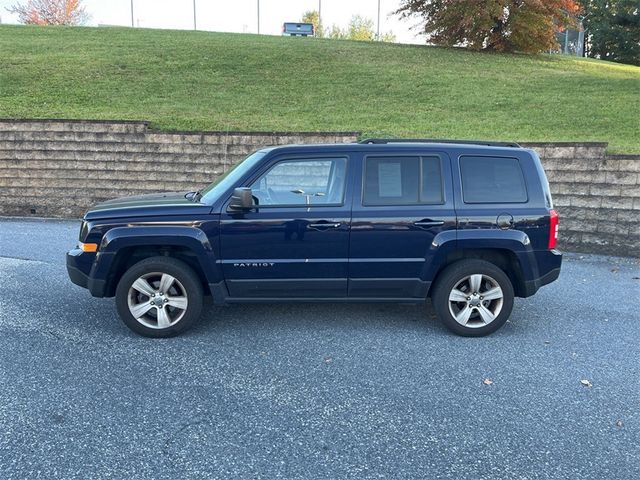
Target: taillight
[{"x": 554, "y": 220}]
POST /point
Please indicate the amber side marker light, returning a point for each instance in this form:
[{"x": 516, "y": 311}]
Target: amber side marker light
[{"x": 88, "y": 247}]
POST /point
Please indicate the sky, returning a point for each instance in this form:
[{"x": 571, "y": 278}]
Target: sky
[{"x": 237, "y": 15}]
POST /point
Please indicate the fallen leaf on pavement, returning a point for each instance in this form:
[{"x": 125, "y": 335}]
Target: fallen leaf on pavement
[{"x": 586, "y": 383}]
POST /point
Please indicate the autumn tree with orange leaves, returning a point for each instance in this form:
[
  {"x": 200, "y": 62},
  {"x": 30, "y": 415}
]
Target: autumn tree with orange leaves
[
  {"x": 527, "y": 26},
  {"x": 50, "y": 12}
]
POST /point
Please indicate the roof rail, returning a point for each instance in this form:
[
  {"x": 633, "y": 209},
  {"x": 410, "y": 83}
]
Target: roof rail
[{"x": 382, "y": 141}]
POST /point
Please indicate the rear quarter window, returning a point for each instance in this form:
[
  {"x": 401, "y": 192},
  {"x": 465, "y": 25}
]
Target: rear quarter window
[{"x": 488, "y": 179}]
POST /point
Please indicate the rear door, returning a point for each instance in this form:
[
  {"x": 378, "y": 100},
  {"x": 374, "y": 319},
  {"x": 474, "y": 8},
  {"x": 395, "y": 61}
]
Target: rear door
[
  {"x": 406, "y": 201},
  {"x": 294, "y": 244}
]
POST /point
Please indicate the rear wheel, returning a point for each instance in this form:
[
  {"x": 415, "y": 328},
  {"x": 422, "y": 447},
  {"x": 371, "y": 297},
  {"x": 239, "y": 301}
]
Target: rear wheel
[
  {"x": 159, "y": 297},
  {"x": 473, "y": 298}
]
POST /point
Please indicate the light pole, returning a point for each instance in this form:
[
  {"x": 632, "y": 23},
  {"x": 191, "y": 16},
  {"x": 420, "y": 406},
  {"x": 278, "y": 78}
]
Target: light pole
[
  {"x": 378, "y": 35},
  {"x": 258, "y": 17},
  {"x": 132, "y": 25},
  {"x": 194, "y": 15}
]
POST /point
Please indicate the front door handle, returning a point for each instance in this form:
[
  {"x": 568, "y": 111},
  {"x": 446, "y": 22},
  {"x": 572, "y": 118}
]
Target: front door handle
[
  {"x": 427, "y": 222},
  {"x": 324, "y": 225}
]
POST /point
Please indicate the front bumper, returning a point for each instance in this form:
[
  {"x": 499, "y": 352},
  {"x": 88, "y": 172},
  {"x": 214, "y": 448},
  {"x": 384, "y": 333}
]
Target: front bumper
[
  {"x": 77, "y": 276},
  {"x": 78, "y": 264}
]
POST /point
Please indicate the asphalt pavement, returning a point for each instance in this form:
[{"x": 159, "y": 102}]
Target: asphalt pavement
[{"x": 318, "y": 390}]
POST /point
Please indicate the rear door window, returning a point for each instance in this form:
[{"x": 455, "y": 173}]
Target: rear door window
[
  {"x": 492, "y": 180},
  {"x": 402, "y": 180}
]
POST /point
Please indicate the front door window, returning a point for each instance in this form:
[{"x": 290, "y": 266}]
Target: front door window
[{"x": 302, "y": 182}]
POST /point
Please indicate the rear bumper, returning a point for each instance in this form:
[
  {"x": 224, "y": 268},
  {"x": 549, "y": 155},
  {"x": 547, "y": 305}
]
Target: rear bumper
[
  {"x": 532, "y": 286},
  {"x": 549, "y": 264},
  {"x": 77, "y": 262}
]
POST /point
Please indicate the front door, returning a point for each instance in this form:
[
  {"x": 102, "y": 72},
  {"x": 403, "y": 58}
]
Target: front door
[
  {"x": 406, "y": 201},
  {"x": 294, "y": 244}
]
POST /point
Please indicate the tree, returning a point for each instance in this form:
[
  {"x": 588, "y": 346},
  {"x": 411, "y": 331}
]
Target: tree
[
  {"x": 312, "y": 16},
  {"x": 337, "y": 33},
  {"x": 359, "y": 28},
  {"x": 500, "y": 25},
  {"x": 50, "y": 12},
  {"x": 388, "y": 37},
  {"x": 613, "y": 30}
]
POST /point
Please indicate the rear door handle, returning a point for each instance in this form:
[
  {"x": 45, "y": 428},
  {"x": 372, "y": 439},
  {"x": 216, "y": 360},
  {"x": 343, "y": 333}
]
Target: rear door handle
[
  {"x": 427, "y": 222},
  {"x": 324, "y": 225}
]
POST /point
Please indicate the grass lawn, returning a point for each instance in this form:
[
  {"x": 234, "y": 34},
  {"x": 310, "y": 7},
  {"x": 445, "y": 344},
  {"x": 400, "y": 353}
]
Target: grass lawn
[{"x": 181, "y": 80}]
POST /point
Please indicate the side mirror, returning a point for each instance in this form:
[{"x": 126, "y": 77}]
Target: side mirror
[{"x": 241, "y": 200}]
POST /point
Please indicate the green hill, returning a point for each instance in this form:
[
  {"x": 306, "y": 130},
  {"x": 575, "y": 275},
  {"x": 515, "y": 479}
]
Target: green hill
[{"x": 182, "y": 80}]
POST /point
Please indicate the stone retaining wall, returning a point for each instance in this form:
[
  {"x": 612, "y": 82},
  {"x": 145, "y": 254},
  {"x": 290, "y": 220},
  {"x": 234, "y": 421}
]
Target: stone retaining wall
[
  {"x": 60, "y": 168},
  {"x": 597, "y": 196}
]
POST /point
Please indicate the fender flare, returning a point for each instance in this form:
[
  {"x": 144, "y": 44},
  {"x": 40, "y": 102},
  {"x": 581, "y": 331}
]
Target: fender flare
[
  {"x": 193, "y": 239},
  {"x": 450, "y": 241}
]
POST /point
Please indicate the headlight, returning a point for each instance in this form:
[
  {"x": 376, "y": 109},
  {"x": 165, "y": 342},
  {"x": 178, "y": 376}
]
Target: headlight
[{"x": 84, "y": 230}]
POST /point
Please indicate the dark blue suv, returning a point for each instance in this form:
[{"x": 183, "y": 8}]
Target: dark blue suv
[{"x": 470, "y": 225}]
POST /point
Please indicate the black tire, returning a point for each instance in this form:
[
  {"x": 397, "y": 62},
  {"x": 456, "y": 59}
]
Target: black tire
[
  {"x": 454, "y": 275},
  {"x": 187, "y": 286}
]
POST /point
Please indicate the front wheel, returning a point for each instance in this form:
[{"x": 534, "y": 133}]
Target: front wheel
[
  {"x": 473, "y": 298},
  {"x": 159, "y": 297}
]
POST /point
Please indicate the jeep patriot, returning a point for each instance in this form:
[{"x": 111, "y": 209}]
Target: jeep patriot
[{"x": 470, "y": 225}]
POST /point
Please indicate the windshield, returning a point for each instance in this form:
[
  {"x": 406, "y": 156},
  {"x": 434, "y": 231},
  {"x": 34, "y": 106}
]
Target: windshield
[{"x": 231, "y": 177}]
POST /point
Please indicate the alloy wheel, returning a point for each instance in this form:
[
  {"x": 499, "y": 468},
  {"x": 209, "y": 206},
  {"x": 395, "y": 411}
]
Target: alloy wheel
[
  {"x": 157, "y": 300},
  {"x": 476, "y": 301}
]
